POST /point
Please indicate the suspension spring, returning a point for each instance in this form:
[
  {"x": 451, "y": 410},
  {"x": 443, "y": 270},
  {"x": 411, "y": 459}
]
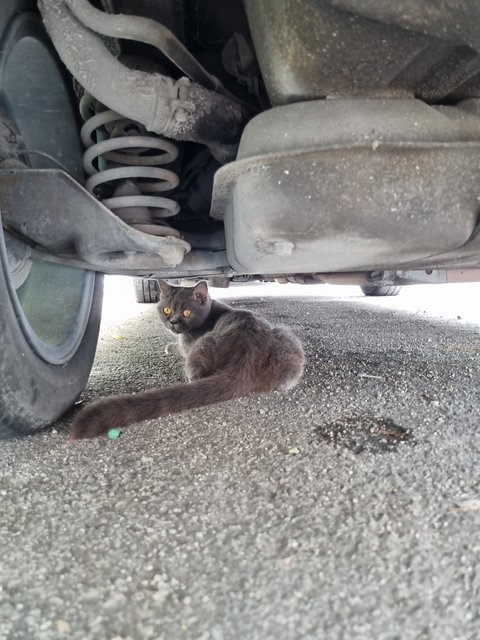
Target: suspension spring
[{"x": 123, "y": 162}]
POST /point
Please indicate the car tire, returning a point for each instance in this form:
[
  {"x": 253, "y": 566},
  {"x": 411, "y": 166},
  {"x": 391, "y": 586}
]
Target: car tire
[
  {"x": 146, "y": 290},
  {"x": 50, "y": 313},
  {"x": 35, "y": 392},
  {"x": 381, "y": 290}
]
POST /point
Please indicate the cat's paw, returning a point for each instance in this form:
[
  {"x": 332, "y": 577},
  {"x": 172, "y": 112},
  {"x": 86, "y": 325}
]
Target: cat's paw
[{"x": 172, "y": 348}]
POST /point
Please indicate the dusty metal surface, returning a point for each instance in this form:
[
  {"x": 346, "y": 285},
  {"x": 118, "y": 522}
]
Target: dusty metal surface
[
  {"x": 315, "y": 48},
  {"x": 148, "y": 31},
  {"x": 348, "y": 185},
  {"x": 53, "y": 211},
  {"x": 178, "y": 109},
  {"x": 454, "y": 21},
  {"x": 377, "y": 278}
]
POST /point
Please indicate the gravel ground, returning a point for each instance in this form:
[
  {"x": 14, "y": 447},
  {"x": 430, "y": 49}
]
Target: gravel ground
[{"x": 347, "y": 508}]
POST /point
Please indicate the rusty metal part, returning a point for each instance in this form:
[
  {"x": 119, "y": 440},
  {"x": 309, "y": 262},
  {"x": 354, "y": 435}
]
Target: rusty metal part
[
  {"x": 144, "y": 30},
  {"x": 179, "y": 109},
  {"x": 125, "y": 168},
  {"x": 398, "y": 278},
  {"x": 58, "y": 221},
  {"x": 56, "y": 214},
  {"x": 437, "y": 276},
  {"x": 462, "y": 275}
]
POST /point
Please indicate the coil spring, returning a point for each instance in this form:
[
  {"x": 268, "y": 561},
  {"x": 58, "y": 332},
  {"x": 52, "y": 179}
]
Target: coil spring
[{"x": 128, "y": 170}]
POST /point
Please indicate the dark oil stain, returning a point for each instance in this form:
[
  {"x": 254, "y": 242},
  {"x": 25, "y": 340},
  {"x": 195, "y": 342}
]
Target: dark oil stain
[{"x": 363, "y": 432}]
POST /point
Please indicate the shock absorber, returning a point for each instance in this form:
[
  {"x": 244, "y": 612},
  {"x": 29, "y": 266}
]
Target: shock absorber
[{"x": 124, "y": 166}]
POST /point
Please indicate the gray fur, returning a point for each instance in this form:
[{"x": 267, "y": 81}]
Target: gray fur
[{"x": 229, "y": 353}]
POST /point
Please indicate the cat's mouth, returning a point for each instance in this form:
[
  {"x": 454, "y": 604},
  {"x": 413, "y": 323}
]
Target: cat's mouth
[{"x": 176, "y": 328}]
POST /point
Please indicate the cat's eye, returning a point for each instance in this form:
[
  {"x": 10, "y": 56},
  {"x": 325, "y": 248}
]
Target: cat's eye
[
  {"x": 167, "y": 311},
  {"x": 186, "y": 313}
]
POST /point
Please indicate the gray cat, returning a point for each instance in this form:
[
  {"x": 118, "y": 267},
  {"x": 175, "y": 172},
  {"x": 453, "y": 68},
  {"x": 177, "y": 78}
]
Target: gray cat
[{"x": 229, "y": 353}]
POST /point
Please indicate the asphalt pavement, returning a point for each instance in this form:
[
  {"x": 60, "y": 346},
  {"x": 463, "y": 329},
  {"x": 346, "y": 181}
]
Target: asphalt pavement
[{"x": 346, "y": 508}]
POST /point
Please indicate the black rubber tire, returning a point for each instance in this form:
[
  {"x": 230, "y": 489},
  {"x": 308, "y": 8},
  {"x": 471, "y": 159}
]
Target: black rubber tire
[
  {"x": 381, "y": 290},
  {"x": 34, "y": 393},
  {"x": 146, "y": 290},
  {"x": 36, "y": 389}
]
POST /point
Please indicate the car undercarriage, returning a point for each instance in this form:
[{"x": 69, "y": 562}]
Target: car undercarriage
[{"x": 296, "y": 140}]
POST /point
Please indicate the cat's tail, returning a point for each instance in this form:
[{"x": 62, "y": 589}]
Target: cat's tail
[{"x": 121, "y": 411}]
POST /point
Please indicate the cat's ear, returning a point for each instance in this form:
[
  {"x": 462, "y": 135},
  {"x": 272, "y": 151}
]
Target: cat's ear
[
  {"x": 165, "y": 288},
  {"x": 200, "y": 292}
]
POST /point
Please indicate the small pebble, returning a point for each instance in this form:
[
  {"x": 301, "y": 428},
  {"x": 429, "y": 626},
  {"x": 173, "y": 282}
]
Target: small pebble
[{"x": 113, "y": 434}]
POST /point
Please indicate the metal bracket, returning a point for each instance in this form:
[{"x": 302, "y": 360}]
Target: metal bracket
[
  {"x": 55, "y": 214},
  {"x": 381, "y": 277}
]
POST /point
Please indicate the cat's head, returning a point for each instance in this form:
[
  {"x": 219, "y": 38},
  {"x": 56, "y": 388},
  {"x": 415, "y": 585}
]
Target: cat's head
[{"x": 183, "y": 309}]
